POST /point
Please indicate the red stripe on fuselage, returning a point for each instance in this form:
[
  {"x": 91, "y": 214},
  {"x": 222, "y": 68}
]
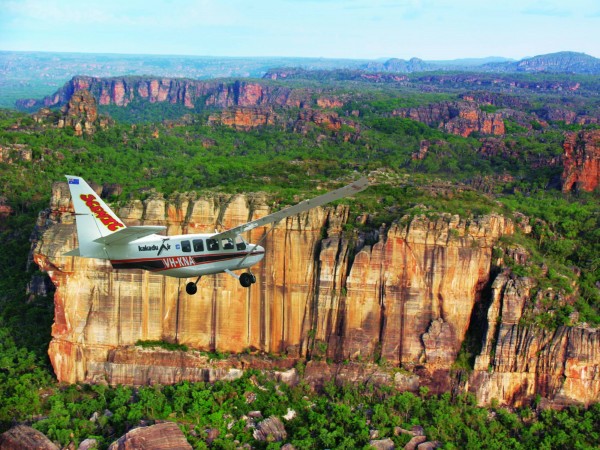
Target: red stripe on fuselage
[{"x": 176, "y": 262}]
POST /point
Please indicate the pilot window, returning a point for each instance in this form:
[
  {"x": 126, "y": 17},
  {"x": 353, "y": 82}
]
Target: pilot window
[
  {"x": 212, "y": 244},
  {"x": 198, "y": 245},
  {"x": 227, "y": 244},
  {"x": 185, "y": 246},
  {"x": 240, "y": 244}
]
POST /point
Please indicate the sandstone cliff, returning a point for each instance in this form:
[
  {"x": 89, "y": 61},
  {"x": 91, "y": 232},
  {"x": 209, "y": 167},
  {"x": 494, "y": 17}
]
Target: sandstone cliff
[
  {"x": 404, "y": 297},
  {"x": 461, "y": 118},
  {"x": 518, "y": 362},
  {"x": 121, "y": 91},
  {"x": 581, "y": 161}
]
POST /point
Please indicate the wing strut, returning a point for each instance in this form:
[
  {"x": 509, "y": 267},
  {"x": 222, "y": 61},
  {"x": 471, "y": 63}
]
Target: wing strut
[{"x": 259, "y": 242}]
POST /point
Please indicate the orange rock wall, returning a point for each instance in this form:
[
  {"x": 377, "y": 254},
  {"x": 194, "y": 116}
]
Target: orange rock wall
[
  {"x": 581, "y": 161},
  {"x": 405, "y": 299}
]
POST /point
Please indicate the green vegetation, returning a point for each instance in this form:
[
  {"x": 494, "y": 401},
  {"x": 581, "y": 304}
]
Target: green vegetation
[
  {"x": 162, "y": 344},
  {"x": 339, "y": 417},
  {"x": 144, "y": 155}
]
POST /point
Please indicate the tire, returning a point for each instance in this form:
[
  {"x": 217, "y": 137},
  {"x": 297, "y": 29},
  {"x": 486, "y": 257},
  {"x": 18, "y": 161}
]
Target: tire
[
  {"x": 191, "y": 288},
  {"x": 246, "y": 279}
]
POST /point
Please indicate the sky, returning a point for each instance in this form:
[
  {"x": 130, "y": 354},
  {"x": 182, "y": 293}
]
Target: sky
[{"x": 354, "y": 29}]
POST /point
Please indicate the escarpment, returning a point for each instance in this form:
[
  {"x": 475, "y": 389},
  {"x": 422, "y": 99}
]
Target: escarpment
[
  {"x": 121, "y": 91},
  {"x": 344, "y": 305}
]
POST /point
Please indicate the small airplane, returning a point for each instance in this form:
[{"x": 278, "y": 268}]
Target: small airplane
[{"x": 103, "y": 235}]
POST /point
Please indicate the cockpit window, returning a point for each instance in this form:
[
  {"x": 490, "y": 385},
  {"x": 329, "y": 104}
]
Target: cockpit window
[
  {"x": 227, "y": 244},
  {"x": 240, "y": 244},
  {"x": 185, "y": 246}
]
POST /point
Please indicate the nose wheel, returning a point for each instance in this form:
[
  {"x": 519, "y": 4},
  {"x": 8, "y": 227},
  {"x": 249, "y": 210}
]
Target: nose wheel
[{"x": 247, "y": 279}]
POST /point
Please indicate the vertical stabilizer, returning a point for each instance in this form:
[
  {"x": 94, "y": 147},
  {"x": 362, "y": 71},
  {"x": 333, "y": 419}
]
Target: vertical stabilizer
[{"x": 93, "y": 218}]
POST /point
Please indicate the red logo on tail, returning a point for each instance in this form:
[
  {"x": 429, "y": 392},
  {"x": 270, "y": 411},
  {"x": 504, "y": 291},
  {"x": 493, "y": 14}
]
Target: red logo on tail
[{"x": 111, "y": 223}]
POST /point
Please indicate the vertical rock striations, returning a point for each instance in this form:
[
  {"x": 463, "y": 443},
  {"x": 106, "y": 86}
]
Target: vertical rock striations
[
  {"x": 519, "y": 362},
  {"x": 581, "y": 161},
  {"x": 403, "y": 296}
]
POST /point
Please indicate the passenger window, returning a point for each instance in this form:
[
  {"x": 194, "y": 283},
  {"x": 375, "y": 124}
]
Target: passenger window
[
  {"x": 212, "y": 244},
  {"x": 227, "y": 244},
  {"x": 185, "y": 246},
  {"x": 198, "y": 245}
]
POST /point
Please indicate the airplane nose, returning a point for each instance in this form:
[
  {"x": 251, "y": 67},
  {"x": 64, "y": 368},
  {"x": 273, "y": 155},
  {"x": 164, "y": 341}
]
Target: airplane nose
[{"x": 261, "y": 251}]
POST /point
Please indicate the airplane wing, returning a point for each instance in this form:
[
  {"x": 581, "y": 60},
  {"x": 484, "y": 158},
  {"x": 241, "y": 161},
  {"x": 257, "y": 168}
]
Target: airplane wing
[
  {"x": 357, "y": 186},
  {"x": 129, "y": 234}
]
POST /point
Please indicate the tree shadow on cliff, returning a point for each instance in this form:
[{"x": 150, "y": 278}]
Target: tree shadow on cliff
[{"x": 473, "y": 343}]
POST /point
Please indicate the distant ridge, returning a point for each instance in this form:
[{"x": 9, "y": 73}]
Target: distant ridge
[
  {"x": 38, "y": 74},
  {"x": 560, "y": 62}
]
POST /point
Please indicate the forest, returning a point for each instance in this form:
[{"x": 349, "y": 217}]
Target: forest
[{"x": 142, "y": 152}]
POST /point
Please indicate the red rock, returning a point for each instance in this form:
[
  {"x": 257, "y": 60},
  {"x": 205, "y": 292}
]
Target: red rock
[
  {"x": 581, "y": 161},
  {"x": 80, "y": 113},
  {"x": 461, "y": 118}
]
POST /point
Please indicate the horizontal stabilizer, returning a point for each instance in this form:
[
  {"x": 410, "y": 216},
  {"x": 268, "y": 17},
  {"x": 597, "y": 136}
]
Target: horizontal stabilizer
[
  {"x": 130, "y": 234},
  {"x": 74, "y": 252},
  {"x": 357, "y": 186}
]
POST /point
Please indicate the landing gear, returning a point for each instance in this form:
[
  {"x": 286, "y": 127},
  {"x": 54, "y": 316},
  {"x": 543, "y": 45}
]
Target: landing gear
[
  {"x": 192, "y": 287},
  {"x": 247, "y": 279}
]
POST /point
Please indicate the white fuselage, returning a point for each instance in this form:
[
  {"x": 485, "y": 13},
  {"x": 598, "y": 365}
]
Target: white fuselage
[{"x": 183, "y": 256}]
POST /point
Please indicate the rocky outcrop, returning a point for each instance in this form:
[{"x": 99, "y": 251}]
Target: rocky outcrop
[
  {"x": 495, "y": 82},
  {"x": 581, "y": 161},
  {"x": 9, "y": 153},
  {"x": 162, "y": 436},
  {"x": 80, "y": 113},
  {"x": 270, "y": 430},
  {"x": 460, "y": 118},
  {"x": 568, "y": 116},
  {"x": 402, "y": 297},
  {"x": 244, "y": 118},
  {"x": 519, "y": 362},
  {"x": 22, "y": 437}
]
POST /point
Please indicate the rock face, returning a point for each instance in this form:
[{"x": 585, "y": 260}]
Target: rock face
[
  {"x": 404, "y": 296},
  {"x": 22, "y": 437},
  {"x": 162, "y": 436},
  {"x": 121, "y": 91},
  {"x": 244, "y": 118},
  {"x": 270, "y": 429},
  {"x": 518, "y": 362},
  {"x": 581, "y": 161},
  {"x": 80, "y": 113},
  {"x": 460, "y": 118}
]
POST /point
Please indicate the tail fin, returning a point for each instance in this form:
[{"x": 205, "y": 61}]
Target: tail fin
[{"x": 94, "y": 219}]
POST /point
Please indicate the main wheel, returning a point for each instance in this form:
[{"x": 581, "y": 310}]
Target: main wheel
[
  {"x": 246, "y": 279},
  {"x": 191, "y": 288}
]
